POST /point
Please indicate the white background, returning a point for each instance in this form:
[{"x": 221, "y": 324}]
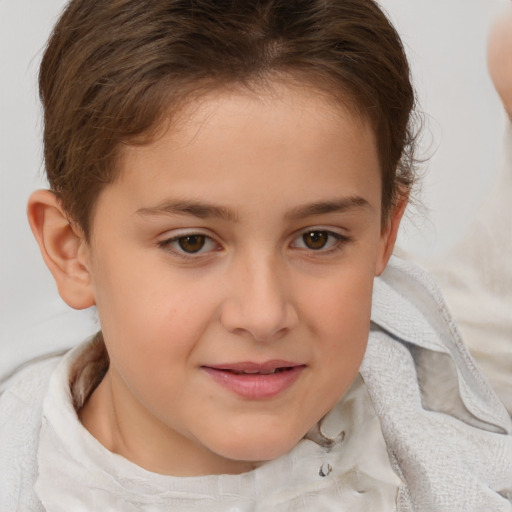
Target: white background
[{"x": 446, "y": 42}]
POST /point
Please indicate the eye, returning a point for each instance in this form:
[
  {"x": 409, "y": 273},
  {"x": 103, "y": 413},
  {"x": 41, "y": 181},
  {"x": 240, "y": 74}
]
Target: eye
[
  {"x": 319, "y": 240},
  {"x": 189, "y": 244},
  {"x": 315, "y": 239}
]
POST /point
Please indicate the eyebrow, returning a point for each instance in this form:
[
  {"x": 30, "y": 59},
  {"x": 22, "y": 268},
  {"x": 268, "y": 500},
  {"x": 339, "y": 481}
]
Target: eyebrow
[
  {"x": 195, "y": 208},
  {"x": 331, "y": 206},
  {"x": 205, "y": 210}
]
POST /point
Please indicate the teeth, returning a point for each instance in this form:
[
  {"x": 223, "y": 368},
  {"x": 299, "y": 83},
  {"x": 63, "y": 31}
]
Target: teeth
[{"x": 257, "y": 372}]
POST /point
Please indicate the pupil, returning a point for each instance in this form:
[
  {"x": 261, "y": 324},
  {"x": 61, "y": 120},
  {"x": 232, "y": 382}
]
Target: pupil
[
  {"x": 315, "y": 239},
  {"x": 192, "y": 243}
]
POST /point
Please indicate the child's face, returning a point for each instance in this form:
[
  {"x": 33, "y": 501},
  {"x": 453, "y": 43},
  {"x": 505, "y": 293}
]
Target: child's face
[{"x": 246, "y": 241}]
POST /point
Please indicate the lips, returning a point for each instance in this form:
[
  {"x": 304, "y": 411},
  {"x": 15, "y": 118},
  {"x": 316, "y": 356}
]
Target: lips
[
  {"x": 259, "y": 372},
  {"x": 256, "y": 381},
  {"x": 251, "y": 368}
]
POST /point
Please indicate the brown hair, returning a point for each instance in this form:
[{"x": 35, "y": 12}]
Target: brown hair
[{"x": 113, "y": 68}]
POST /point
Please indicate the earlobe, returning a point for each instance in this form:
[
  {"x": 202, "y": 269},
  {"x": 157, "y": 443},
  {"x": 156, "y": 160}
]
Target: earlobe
[
  {"x": 63, "y": 248},
  {"x": 389, "y": 234}
]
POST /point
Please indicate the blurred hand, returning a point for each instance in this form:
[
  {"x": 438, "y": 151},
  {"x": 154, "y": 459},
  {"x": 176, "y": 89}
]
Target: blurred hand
[{"x": 499, "y": 58}]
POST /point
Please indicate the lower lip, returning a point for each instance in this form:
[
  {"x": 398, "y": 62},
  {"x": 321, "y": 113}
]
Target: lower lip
[{"x": 256, "y": 386}]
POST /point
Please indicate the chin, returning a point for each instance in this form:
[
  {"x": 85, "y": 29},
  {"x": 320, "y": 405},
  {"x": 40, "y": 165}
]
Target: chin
[{"x": 260, "y": 447}]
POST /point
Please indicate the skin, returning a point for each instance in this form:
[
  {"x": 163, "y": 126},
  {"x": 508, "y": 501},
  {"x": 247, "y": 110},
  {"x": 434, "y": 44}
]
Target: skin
[
  {"x": 255, "y": 291},
  {"x": 499, "y": 58}
]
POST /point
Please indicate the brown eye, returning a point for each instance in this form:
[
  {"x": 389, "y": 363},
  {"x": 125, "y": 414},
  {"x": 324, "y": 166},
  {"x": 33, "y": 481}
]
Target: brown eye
[
  {"x": 192, "y": 246},
  {"x": 315, "y": 240},
  {"x": 323, "y": 241},
  {"x": 192, "y": 243}
]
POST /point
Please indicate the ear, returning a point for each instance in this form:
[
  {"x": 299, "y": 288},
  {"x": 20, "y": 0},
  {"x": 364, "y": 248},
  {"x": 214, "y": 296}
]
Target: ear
[
  {"x": 63, "y": 247},
  {"x": 389, "y": 233}
]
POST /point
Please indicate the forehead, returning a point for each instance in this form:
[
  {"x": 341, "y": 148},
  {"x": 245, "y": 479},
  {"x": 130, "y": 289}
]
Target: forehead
[{"x": 237, "y": 143}]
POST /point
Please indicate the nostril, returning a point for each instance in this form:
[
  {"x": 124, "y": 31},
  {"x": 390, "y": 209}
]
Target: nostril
[{"x": 262, "y": 322}]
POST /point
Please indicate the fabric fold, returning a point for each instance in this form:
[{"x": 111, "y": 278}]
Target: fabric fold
[{"x": 446, "y": 464}]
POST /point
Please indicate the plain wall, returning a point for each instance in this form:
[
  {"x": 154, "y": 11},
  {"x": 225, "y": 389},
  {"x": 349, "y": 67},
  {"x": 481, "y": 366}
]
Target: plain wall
[{"x": 446, "y": 43}]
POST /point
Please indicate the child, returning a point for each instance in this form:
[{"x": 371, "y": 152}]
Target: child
[{"x": 227, "y": 179}]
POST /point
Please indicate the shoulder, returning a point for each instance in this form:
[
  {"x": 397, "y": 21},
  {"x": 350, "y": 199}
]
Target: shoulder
[
  {"x": 440, "y": 418},
  {"x": 21, "y": 401}
]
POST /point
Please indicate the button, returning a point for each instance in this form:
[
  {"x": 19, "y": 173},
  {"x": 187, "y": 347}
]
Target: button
[{"x": 325, "y": 469}]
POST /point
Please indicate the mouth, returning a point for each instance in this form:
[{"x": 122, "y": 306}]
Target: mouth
[
  {"x": 262, "y": 372},
  {"x": 256, "y": 380}
]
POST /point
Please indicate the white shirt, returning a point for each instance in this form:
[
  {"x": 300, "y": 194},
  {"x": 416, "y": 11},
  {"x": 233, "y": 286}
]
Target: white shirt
[{"x": 342, "y": 466}]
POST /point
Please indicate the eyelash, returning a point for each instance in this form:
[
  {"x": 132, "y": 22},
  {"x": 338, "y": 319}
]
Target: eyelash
[{"x": 338, "y": 243}]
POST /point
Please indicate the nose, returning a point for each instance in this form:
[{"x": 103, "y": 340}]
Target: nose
[{"x": 259, "y": 302}]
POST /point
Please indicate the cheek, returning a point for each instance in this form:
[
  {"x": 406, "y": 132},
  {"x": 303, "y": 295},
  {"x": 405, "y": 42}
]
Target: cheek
[
  {"x": 340, "y": 314},
  {"x": 342, "y": 301},
  {"x": 148, "y": 315}
]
